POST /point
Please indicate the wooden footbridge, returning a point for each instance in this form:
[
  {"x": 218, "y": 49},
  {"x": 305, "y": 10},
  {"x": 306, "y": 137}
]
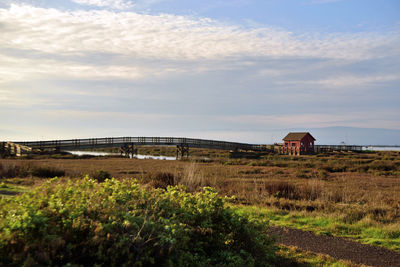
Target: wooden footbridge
[{"x": 128, "y": 145}]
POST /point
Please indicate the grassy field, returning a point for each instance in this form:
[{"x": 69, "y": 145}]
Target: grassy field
[{"x": 355, "y": 195}]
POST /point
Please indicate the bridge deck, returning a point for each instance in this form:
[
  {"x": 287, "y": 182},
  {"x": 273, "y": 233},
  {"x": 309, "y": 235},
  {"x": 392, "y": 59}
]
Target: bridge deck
[
  {"x": 182, "y": 143},
  {"x": 140, "y": 141}
]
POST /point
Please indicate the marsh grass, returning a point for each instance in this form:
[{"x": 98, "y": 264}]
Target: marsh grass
[
  {"x": 360, "y": 189},
  {"x": 191, "y": 176},
  {"x": 23, "y": 169}
]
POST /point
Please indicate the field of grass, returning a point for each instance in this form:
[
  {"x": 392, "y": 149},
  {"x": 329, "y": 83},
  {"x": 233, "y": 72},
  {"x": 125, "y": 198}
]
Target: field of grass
[
  {"x": 354, "y": 195},
  {"x": 365, "y": 231}
]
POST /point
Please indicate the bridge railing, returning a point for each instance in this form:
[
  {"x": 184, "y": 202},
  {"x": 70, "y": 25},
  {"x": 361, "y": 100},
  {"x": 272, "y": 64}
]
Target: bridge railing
[
  {"x": 322, "y": 148},
  {"x": 116, "y": 141}
]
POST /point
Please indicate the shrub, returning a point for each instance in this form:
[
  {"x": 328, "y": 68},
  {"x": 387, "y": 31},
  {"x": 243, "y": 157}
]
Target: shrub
[
  {"x": 47, "y": 172},
  {"x": 322, "y": 174},
  {"x": 101, "y": 175},
  {"x": 115, "y": 223},
  {"x": 302, "y": 173},
  {"x": 13, "y": 170},
  {"x": 309, "y": 165},
  {"x": 161, "y": 180},
  {"x": 25, "y": 169},
  {"x": 281, "y": 189},
  {"x": 334, "y": 168},
  {"x": 382, "y": 165},
  {"x": 310, "y": 191},
  {"x": 277, "y": 172},
  {"x": 251, "y": 171}
]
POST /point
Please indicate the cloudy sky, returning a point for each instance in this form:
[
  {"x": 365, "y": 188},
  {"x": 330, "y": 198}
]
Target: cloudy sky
[{"x": 240, "y": 70}]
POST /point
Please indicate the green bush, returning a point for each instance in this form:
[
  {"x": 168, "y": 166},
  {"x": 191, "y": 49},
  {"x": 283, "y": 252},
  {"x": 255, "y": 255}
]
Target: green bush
[{"x": 116, "y": 223}]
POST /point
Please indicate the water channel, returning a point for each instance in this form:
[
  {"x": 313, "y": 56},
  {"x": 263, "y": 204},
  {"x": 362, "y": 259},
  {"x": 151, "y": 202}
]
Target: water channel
[{"x": 97, "y": 153}]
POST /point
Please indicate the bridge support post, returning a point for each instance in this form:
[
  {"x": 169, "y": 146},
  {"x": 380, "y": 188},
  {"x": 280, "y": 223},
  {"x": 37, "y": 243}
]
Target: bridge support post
[
  {"x": 181, "y": 151},
  {"x": 3, "y": 149},
  {"x": 12, "y": 149},
  {"x": 128, "y": 150}
]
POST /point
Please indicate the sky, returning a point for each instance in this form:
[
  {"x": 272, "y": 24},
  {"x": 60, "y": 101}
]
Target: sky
[{"x": 235, "y": 70}]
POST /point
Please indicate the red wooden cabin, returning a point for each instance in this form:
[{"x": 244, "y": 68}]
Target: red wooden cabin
[{"x": 298, "y": 143}]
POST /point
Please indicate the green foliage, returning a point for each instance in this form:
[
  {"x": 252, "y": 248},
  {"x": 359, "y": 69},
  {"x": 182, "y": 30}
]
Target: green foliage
[{"x": 118, "y": 223}]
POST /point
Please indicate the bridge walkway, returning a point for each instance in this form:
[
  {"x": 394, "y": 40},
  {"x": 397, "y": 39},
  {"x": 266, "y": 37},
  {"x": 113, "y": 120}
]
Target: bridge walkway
[{"x": 128, "y": 144}]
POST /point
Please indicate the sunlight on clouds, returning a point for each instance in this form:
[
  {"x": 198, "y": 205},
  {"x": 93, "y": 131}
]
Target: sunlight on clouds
[
  {"x": 28, "y": 69},
  {"x": 346, "y": 81},
  {"x": 117, "y": 4},
  {"x": 167, "y": 36}
]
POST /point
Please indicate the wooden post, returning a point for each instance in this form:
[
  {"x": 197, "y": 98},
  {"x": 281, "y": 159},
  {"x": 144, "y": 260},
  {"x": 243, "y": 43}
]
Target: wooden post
[{"x": 182, "y": 150}]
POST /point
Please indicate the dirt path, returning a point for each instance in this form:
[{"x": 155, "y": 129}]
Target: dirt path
[{"x": 339, "y": 248}]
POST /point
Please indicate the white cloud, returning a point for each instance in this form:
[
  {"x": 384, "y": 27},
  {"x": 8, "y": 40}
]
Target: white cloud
[
  {"x": 346, "y": 81},
  {"x": 116, "y": 4},
  {"x": 169, "y": 36},
  {"x": 23, "y": 69}
]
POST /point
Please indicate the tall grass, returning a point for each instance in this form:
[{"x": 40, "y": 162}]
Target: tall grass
[
  {"x": 192, "y": 177},
  {"x": 12, "y": 170}
]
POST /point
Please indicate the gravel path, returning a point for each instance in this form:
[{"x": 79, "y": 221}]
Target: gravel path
[{"x": 336, "y": 247}]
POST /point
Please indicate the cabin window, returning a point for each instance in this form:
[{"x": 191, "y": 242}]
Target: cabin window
[
  {"x": 293, "y": 144},
  {"x": 286, "y": 144}
]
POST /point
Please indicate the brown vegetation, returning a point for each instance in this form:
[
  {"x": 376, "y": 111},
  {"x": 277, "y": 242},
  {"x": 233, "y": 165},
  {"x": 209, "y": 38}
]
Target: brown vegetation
[{"x": 356, "y": 186}]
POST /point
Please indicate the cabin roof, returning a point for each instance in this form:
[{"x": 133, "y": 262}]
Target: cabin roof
[{"x": 297, "y": 136}]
